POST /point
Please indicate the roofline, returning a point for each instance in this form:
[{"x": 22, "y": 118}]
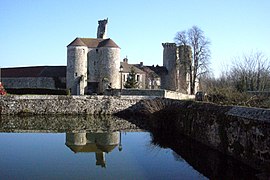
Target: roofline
[{"x": 31, "y": 67}]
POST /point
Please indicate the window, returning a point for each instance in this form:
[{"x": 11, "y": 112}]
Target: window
[{"x": 138, "y": 77}]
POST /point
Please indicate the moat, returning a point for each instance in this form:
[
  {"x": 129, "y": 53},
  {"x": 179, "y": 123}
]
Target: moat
[{"x": 88, "y": 147}]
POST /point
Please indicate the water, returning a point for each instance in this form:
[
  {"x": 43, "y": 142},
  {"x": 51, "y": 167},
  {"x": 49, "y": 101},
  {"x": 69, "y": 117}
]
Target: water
[
  {"x": 103, "y": 148},
  {"x": 45, "y": 156}
]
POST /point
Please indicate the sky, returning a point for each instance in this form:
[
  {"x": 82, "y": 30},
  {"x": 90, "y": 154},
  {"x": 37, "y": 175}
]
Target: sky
[{"x": 36, "y": 32}]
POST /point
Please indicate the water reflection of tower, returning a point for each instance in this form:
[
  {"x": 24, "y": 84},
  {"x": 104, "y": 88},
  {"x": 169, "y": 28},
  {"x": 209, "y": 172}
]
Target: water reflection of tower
[{"x": 99, "y": 143}]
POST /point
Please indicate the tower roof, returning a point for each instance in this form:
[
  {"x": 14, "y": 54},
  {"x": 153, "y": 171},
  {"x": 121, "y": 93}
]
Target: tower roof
[
  {"x": 108, "y": 43},
  {"x": 77, "y": 42},
  {"x": 93, "y": 42}
]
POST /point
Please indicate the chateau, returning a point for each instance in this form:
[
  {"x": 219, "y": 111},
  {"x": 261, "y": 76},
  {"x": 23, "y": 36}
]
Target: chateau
[{"x": 94, "y": 65}]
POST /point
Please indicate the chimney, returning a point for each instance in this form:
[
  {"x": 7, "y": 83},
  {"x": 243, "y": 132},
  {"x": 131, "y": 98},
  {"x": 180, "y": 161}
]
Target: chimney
[
  {"x": 125, "y": 60},
  {"x": 141, "y": 64}
]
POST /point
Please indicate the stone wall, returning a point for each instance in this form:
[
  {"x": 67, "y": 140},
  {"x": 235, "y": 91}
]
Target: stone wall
[
  {"x": 150, "y": 93},
  {"x": 60, "y": 104},
  {"x": 46, "y": 104},
  {"x": 35, "y": 82},
  {"x": 241, "y": 132}
]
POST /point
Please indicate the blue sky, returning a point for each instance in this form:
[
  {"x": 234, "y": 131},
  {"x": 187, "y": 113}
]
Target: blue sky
[{"x": 36, "y": 32}]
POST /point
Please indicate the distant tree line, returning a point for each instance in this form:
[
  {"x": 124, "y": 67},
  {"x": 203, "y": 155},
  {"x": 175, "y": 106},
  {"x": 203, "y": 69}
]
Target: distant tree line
[
  {"x": 251, "y": 72},
  {"x": 245, "y": 82}
]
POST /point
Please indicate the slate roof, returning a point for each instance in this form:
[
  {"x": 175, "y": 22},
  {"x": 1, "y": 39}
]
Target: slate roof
[
  {"x": 34, "y": 71},
  {"x": 158, "y": 69},
  {"x": 93, "y": 42},
  {"x": 147, "y": 70},
  {"x": 127, "y": 68}
]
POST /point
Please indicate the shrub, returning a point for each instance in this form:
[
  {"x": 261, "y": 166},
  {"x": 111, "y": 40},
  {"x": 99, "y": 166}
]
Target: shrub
[{"x": 2, "y": 89}]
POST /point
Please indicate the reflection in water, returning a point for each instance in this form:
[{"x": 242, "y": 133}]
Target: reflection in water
[
  {"x": 101, "y": 135},
  {"x": 209, "y": 162},
  {"x": 98, "y": 143},
  {"x": 60, "y": 123}
]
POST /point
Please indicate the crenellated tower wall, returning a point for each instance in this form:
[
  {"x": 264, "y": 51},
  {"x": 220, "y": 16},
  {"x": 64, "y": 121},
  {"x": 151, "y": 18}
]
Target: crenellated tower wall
[{"x": 170, "y": 60}]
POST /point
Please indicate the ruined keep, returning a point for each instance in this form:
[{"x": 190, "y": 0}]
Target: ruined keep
[
  {"x": 176, "y": 59},
  {"x": 93, "y": 63}
]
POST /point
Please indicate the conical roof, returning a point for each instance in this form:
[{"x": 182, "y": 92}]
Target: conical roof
[
  {"x": 94, "y": 42},
  {"x": 108, "y": 43},
  {"x": 77, "y": 42}
]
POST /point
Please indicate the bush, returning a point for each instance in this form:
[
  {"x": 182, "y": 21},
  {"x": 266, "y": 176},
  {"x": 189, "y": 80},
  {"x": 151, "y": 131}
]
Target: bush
[
  {"x": 2, "y": 89},
  {"x": 230, "y": 96}
]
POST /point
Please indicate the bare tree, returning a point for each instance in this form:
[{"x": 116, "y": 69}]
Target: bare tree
[
  {"x": 251, "y": 72},
  {"x": 199, "y": 44}
]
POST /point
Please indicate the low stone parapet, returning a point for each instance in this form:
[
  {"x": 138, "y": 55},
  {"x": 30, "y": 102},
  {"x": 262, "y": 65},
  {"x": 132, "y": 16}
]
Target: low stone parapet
[
  {"x": 160, "y": 93},
  {"x": 52, "y": 104}
]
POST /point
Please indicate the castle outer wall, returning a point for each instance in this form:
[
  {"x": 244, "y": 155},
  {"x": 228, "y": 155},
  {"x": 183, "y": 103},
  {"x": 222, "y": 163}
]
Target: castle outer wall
[{"x": 34, "y": 82}]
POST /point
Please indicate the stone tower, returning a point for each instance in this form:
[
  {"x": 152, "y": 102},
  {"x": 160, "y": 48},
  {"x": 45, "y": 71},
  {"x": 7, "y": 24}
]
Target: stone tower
[
  {"x": 103, "y": 66},
  {"x": 171, "y": 62},
  {"x": 77, "y": 67},
  {"x": 185, "y": 60},
  {"x": 109, "y": 63},
  {"x": 93, "y": 63},
  {"x": 102, "y": 29}
]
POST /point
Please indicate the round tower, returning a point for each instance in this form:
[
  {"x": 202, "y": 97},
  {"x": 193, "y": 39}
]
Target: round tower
[
  {"x": 109, "y": 64},
  {"x": 78, "y": 139},
  {"x": 76, "y": 75},
  {"x": 185, "y": 60},
  {"x": 170, "y": 61}
]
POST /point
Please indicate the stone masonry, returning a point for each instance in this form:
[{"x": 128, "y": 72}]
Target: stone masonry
[
  {"x": 241, "y": 132},
  {"x": 38, "y": 104}
]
